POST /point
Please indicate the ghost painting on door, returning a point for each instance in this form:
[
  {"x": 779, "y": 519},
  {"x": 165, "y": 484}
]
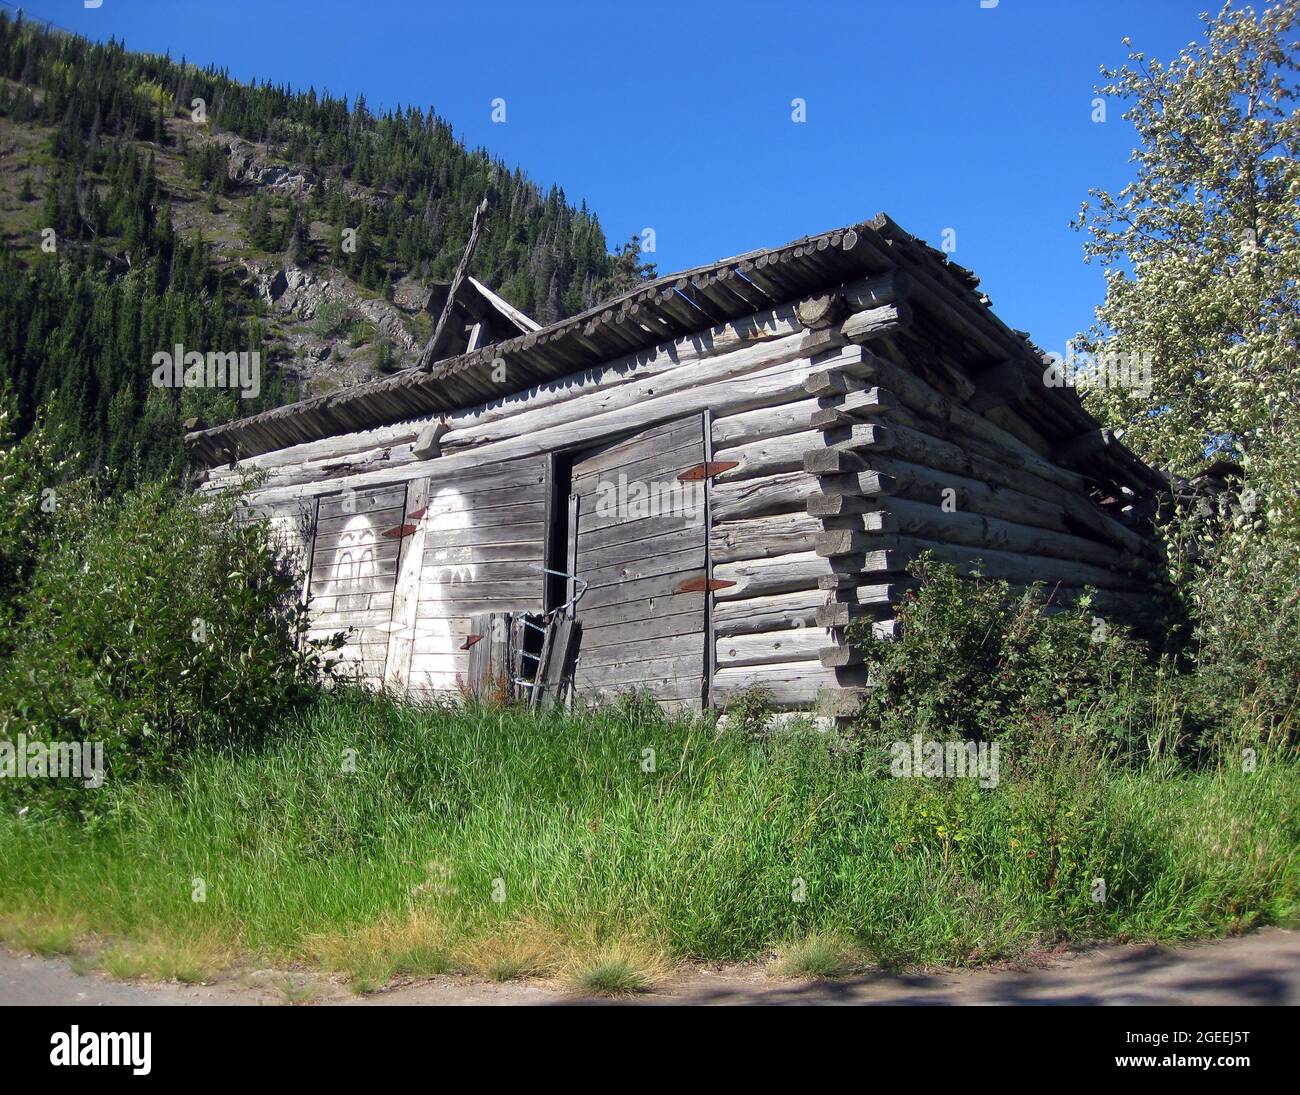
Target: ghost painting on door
[
  {"x": 354, "y": 566},
  {"x": 448, "y": 563}
]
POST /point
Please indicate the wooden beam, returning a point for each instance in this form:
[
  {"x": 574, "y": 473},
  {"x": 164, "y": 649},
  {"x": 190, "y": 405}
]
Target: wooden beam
[
  {"x": 1000, "y": 386},
  {"x": 430, "y": 353}
]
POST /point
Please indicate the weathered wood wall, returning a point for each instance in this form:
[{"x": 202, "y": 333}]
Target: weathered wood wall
[
  {"x": 830, "y": 467},
  {"x": 643, "y": 559}
]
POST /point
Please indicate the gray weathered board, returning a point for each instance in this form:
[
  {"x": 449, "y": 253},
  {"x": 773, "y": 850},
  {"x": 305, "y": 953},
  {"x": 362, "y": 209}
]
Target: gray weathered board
[{"x": 640, "y": 535}]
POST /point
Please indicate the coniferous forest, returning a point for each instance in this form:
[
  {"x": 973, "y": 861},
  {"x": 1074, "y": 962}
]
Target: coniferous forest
[{"x": 97, "y": 276}]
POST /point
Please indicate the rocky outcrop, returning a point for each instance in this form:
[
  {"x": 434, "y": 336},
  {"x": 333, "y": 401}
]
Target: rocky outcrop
[
  {"x": 410, "y": 295},
  {"x": 246, "y": 163},
  {"x": 294, "y": 291}
]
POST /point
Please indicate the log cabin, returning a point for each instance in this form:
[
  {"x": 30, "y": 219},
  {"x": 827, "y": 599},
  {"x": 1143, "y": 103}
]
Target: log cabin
[{"x": 518, "y": 505}]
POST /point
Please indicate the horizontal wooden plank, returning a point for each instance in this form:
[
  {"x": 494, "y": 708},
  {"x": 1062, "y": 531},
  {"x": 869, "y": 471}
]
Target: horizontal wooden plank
[
  {"x": 685, "y": 691},
  {"x": 762, "y": 577},
  {"x": 639, "y": 546},
  {"x": 352, "y": 586},
  {"x": 665, "y": 459},
  {"x": 422, "y": 662},
  {"x": 783, "y": 493},
  {"x": 346, "y": 560},
  {"x": 662, "y": 586},
  {"x": 428, "y": 611},
  {"x": 789, "y": 644},
  {"x": 617, "y": 633},
  {"x": 455, "y": 571},
  {"x": 754, "y": 614},
  {"x": 453, "y": 593},
  {"x": 600, "y": 529},
  {"x": 689, "y": 559},
  {"x": 769, "y": 456},
  {"x": 371, "y": 602},
  {"x": 756, "y": 537},
  {"x": 514, "y": 513},
  {"x": 622, "y": 672},
  {"x": 789, "y": 685},
  {"x": 755, "y": 425},
  {"x": 446, "y": 539},
  {"x": 664, "y": 437},
  {"x": 638, "y": 610},
  {"x": 344, "y": 504},
  {"x": 366, "y": 528},
  {"x": 639, "y": 650}
]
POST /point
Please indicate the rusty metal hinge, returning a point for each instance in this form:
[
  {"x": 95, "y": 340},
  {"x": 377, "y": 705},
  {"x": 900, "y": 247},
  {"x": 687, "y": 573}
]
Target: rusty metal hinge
[
  {"x": 707, "y": 470},
  {"x": 701, "y": 584}
]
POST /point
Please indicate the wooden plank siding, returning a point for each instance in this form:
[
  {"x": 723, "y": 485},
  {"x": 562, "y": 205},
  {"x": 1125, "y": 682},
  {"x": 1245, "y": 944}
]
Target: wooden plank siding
[
  {"x": 483, "y": 552},
  {"x": 355, "y": 555},
  {"x": 640, "y": 533}
]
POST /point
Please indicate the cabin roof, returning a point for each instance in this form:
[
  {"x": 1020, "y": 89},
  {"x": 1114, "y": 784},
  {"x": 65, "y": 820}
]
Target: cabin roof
[{"x": 687, "y": 302}]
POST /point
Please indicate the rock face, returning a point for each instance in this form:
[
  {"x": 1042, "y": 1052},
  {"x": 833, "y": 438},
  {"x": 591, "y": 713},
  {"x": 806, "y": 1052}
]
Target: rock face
[
  {"x": 311, "y": 346},
  {"x": 325, "y": 361},
  {"x": 410, "y": 295},
  {"x": 246, "y": 164},
  {"x": 291, "y": 290}
]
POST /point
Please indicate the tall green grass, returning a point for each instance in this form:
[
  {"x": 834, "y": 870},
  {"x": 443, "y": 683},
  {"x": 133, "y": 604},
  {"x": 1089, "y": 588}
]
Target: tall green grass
[{"x": 489, "y": 824}]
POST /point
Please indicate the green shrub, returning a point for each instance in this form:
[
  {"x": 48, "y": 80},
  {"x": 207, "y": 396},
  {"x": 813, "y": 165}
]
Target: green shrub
[
  {"x": 750, "y": 711},
  {"x": 360, "y": 332},
  {"x": 40, "y": 505},
  {"x": 165, "y": 624},
  {"x": 1239, "y": 581},
  {"x": 332, "y": 317},
  {"x": 976, "y": 660}
]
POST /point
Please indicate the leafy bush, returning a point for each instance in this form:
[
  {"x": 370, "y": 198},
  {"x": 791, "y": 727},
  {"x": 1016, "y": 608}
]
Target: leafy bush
[
  {"x": 332, "y": 317},
  {"x": 976, "y": 660},
  {"x": 42, "y": 505},
  {"x": 165, "y": 624},
  {"x": 1240, "y": 584}
]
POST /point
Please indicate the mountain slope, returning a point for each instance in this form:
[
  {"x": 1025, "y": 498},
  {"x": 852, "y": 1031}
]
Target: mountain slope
[{"x": 191, "y": 209}]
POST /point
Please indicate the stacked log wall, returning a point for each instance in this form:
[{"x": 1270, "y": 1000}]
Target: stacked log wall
[{"x": 904, "y": 469}]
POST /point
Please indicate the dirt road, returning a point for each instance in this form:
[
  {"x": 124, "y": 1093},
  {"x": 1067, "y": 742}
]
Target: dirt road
[{"x": 1260, "y": 968}]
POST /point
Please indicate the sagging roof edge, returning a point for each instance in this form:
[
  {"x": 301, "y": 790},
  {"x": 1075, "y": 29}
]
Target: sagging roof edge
[{"x": 667, "y": 308}]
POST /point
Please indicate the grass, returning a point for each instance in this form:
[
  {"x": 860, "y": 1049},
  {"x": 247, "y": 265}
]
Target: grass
[
  {"x": 617, "y": 969},
  {"x": 516, "y": 952},
  {"x": 819, "y": 958},
  {"x": 496, "y": 844},
  {"x": 41, "y": 934},
  {"x": 164, "y": 959}
]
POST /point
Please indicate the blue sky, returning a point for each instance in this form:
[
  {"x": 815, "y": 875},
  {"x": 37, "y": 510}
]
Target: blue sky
[{"x": 677, "y": 116}]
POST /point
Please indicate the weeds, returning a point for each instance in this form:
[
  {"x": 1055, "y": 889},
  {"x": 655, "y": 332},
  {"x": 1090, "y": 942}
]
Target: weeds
[{"x": 499, "y": 843}]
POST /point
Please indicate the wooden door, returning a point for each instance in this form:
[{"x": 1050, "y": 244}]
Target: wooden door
[
  {"x": 639, "y": 541},
  {"x": 356, "y": 553}
]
